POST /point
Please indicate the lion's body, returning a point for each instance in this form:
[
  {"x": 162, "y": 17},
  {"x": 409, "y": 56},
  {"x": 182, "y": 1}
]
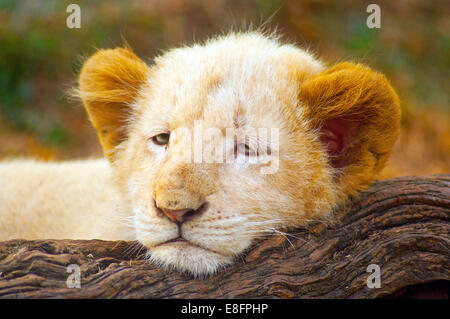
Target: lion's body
[
  {"x": 69, "y": 200},
  {"x": 307, "y": 136}
]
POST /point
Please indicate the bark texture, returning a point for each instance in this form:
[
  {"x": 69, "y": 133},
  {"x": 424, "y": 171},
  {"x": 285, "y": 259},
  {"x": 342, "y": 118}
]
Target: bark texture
[{"x": 401, "y": 225}]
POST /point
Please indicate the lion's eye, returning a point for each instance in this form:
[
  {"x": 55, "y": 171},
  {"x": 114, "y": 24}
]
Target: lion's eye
[
  {"x": 161, "y": 139},
  {"x": 245, "y": 149}
]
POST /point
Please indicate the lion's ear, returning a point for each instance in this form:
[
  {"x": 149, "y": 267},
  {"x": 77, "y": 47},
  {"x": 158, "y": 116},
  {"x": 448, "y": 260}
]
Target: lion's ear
[
  {"x": 357, "y": 115},
  {"x": 109, "y": 83}
]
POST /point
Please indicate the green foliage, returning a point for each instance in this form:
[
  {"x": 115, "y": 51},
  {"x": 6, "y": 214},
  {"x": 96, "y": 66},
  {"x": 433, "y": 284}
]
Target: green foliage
[{"x": 40, "y": 57}]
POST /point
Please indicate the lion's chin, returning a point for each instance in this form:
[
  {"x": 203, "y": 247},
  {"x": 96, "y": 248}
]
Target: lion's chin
[{"x": 189, "y": 258}]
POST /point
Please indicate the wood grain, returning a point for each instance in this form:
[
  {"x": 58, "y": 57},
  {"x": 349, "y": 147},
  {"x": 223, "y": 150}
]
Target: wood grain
[{"x": 402, "y": 225}]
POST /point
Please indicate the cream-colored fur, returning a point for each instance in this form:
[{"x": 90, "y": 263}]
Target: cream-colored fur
[
  {"x": 68, "y": 200},
  {"x": 239, "y": 81}
]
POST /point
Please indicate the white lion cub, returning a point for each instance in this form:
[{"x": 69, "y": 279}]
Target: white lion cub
[{"x": 208, "y": 148}]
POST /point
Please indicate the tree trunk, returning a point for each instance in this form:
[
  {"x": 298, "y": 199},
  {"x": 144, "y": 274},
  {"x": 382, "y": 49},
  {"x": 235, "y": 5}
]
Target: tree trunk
[{"x": 400, "y": 225}]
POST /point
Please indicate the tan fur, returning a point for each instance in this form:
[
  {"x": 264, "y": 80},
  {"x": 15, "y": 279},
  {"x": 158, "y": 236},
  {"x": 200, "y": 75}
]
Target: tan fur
[
  {"x": 239, "y": 81},
  {"x": 66, "y": 200},
  {"x": 107, "y": 90}
]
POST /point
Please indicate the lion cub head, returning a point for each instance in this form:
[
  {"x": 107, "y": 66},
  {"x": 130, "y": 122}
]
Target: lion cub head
[{"x": 216, "y": 145}]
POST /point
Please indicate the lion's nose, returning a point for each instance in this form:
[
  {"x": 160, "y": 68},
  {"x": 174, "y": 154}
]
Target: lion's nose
[
  {"x": 181, "y": 215},
  {"x": 177, "y": 215}
]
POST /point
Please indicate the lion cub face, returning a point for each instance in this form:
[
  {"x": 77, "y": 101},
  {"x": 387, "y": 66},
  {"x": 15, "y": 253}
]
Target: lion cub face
[{"x": 217, "y": 145}]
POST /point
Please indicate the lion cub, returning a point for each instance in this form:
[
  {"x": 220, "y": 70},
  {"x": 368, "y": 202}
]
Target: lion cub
[{"x": 208, "y": 148}]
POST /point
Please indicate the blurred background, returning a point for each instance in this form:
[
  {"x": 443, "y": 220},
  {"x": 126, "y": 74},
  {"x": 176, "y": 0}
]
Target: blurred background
[{"x": 40, "y": 58}]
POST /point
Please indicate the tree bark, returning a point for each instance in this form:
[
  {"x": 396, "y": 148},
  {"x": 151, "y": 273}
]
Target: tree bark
[{"x": 401, "y": 225}]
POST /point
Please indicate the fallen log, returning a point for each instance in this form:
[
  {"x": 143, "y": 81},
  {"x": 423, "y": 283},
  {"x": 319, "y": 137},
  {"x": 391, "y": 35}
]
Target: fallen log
[{"x": 399, "y": 225}]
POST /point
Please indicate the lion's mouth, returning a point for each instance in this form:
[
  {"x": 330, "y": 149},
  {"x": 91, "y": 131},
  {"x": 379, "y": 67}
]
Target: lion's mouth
[
  {"x": 178, "y": 239},
  {"x": 183, "y": 241}
]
